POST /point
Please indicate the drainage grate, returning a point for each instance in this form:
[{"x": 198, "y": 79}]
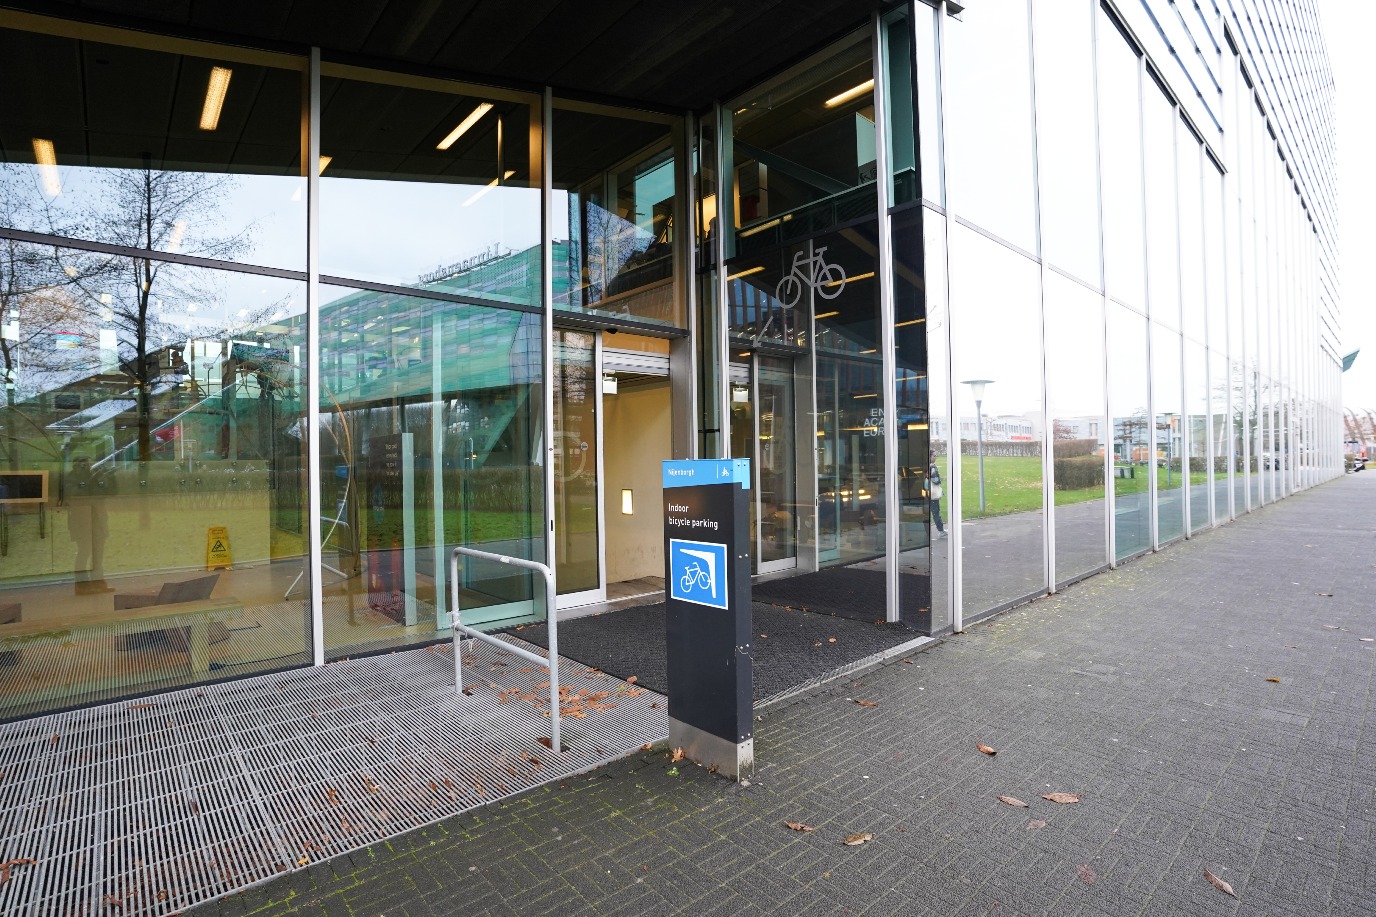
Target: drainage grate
[{"x": 150, "y": 807}]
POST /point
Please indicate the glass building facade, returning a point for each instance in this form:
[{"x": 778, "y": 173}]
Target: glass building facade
[{"x": 993, "y": 298}]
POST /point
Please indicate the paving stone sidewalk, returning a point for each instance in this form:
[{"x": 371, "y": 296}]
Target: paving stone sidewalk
[{"x": 1213, "y": 704}]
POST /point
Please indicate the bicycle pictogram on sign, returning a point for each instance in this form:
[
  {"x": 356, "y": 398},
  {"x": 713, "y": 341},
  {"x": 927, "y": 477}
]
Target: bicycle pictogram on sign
[
  {"x": 826, "y": 280},
  {"x": 698, "y": 572}
]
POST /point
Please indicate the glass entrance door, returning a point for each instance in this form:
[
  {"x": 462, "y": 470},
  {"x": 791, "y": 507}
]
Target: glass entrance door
[
  {"x": 776, "y": 458},
  {"x": 577, "y": 464},
  {"x": 762, "y": 429}
]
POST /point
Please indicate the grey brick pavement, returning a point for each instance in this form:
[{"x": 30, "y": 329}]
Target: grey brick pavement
[{"x": 1145, "y": 689}]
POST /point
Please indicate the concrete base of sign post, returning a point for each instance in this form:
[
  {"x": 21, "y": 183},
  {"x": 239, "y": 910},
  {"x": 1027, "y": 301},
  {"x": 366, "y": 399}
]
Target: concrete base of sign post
[{"x": 731, "y": 759}]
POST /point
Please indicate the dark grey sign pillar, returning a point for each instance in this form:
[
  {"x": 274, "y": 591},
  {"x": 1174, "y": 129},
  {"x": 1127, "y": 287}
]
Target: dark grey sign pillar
[{"x": 707, "y": 618}]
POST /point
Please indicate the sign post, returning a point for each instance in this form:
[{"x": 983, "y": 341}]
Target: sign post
[{"x": 707, "y": 614}]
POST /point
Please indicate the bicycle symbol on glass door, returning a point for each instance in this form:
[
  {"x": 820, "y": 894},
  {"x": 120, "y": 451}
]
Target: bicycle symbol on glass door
[{"x": 827, "y": 280}]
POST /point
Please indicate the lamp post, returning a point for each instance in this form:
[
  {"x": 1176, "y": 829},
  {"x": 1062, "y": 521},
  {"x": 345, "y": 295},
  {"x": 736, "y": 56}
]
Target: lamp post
[{"x": 977, "y": 389}]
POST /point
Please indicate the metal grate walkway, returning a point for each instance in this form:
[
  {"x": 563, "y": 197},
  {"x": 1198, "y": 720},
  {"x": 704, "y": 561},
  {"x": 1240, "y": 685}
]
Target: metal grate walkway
[{"x": 149, "y": 807}]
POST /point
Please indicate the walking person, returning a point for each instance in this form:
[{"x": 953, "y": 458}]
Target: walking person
[{"x": 934, "y": 495}]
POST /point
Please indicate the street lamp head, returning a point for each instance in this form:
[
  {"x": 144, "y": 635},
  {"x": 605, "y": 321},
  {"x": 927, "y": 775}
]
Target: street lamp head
[{"x": 977, "y": 387}]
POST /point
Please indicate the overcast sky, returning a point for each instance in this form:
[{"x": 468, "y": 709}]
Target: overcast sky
[{"x": 1347, "y": 27}]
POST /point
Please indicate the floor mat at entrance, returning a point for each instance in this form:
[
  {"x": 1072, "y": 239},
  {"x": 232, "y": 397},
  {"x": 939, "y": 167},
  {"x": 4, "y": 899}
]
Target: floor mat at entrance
[
  {"x": 790, "y": 647},
  {"x": 849, "y": 592}
]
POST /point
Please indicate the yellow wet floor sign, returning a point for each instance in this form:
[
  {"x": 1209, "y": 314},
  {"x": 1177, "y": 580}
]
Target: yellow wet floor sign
[{"x": 217, "y": 548}]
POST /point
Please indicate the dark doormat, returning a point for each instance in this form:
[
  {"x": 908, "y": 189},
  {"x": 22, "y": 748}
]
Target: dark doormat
[
  {"x": 790, "y": 647},
  {"x": 851, "y": 593}
]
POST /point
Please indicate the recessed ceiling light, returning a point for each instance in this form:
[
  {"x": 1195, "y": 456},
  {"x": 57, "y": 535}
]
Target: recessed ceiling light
[
  {"x": 46, "y": 157},
  {"x": 215, "y": 92},
  {"x": 854, "y": 92},
  {"x": 472, "y": 119}
]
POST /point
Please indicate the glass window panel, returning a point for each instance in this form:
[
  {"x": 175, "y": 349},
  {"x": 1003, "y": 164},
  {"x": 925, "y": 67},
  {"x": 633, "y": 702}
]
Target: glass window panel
[
  {"x": 998, "y": 406},
  {"x": 92, "y": 134},
  {"x": 1197, "y": 433},
  {"x": 902, "y": 114},
  {"x": 1222, "y": 457},
  {"x": 921, "y": 525},
  {"x": 988, "y": 120},
  {"x": 1075, "y": 389},
  {"x": 614, "y": 208},
  {"x": 1132, "y": 460},
  {"x": 1169, "y": 432},
  {"x": 937, "y": 330},
  {"x": 1215, "y": 260},
  {"x": 1192, "y": 289},
  {"x": 803, "y": 151},
  {"x": 396, "y": 208},
  {"x": 1120, "y": 133},
  {"x": 160, "y": 437},
  {"x": 430, "y": 435},
  {"x": 1163, "y": 249},
  {"x": 928, "y": 103},
  {"x": 850, "y": 460},
  {"x": 1066, "y": 163}
]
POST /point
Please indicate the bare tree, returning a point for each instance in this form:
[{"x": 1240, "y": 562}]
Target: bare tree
[{"x": 158, "y": 210}]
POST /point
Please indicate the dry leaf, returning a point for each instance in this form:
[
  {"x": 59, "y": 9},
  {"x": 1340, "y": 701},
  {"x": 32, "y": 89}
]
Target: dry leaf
[
  {"x": 1086, "y": 874},
  {"x": 798, "y": 826},
  {"x": 985, "y": 749},
  {"x": 545, "y": 741},
  {"x": 908, "y": 661},
  {"x": 866, "y": 703},
  {"x": 632, "y": 680},
  {"x": 1064, "y": 798},
  {"x": 6, "y": 866},
  {"x": 141, "y": 706},
  {"x": 1274, "y": 680},
  {"x": 1219, "y": 884},
  {"x": 712, "y": 769},
  {"x": 1035, "y": 824},
  {"x": 646, "y": 747},
  {"x": 1012, "y": 801},
  {"x": 677, "y": 755},
  {"x": 855, "y": 840},
  {"x": 831, "y": 639}
]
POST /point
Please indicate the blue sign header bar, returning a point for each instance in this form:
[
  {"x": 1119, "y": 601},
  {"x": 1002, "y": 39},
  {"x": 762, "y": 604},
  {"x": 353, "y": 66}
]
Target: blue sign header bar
[{"x": 692, "y": 472}]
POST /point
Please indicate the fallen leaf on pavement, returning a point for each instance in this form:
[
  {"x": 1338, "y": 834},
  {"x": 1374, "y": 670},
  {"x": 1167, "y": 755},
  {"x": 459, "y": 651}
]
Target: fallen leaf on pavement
[
  {"x": 677, "y": 755},
  {"x": 1035, "y": 824},
  {"x": 646, "y": 747},
  {"x": 1012, "y": 801},
  {"x": 1274, "y": 680},
  {"x": 1219, "y": 884},
  {"x": 908, "y": 661},
  {"x": 855, "y": 840},
  {"x": 632, "y": 680},
  {"x": 545, "y": 741},
  {"x": 798, "y": 826},
  {"x": 1086, "y": 874},
  {"x": 1062, "y": 797},
  {"x": 866, "y": 703},
  {"x": 831, "y": 639},
  {"x": 985, "y": 749},
  {"x": 9, "y": 864}
]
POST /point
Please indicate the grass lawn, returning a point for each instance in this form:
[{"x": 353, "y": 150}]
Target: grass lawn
[{"x": 1013, "y": 484}]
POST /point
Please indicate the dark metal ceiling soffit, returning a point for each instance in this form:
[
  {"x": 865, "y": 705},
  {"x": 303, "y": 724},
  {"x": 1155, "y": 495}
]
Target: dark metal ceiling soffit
[{"x": 672, "y": 57}]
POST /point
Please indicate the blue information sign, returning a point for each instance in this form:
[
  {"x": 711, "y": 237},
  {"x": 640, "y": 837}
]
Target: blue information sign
[
  {"x": 694, "y": 472},
  {"x": 698, "y": 572}
]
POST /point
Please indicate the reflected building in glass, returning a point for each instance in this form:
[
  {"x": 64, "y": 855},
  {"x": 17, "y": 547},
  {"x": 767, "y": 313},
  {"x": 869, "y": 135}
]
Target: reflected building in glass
[{"x": 994, "y": 298}]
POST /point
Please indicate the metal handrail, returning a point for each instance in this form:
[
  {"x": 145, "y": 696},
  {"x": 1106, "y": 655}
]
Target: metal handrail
[{"x": 551, "y": 616}]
